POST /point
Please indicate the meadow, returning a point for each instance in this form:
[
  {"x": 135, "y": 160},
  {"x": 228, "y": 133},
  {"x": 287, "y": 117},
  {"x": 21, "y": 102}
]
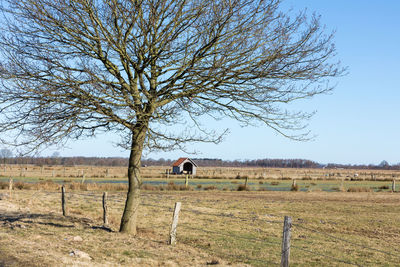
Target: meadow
[
  {"x": 207, "y": 178},
  {"x": 25, "y": 170},
  {"x": 334, "y": 224}
]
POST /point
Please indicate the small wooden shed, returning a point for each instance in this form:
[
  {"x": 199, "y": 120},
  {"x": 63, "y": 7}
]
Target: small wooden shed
[{"x": 184, "y": 165}]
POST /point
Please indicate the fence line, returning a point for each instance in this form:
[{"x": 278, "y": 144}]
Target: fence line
[
  {"x": 197, "y": 212},
  {"x": 230, "y": 235},
  {"x": 345, "y": 240},
  {"x": 324, "y": 255},
  {"x": 243, "y": 258},
  {"x": 184, "y": 225},
  {"x": 271, "y": 242},
  {"x": 253, "y": 219},
  {"x": 263, "y": 240}
]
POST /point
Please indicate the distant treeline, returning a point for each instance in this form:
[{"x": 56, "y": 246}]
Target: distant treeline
[
  {"x": 67, "y": 161},
  {"x": 202, "y": 162}
]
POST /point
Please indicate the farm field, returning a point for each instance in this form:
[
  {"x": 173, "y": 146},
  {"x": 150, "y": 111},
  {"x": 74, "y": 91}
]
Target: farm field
[
  {"x": 215, "y": 227},
  {"x": 208, "y": 178},
  {"x": 162, "y": 184},
  {"x": 23, "y": 170}
]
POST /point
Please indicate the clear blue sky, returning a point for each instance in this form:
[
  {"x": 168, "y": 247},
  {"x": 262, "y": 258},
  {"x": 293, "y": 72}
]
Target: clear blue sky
[{"x": 358, "y": 123}]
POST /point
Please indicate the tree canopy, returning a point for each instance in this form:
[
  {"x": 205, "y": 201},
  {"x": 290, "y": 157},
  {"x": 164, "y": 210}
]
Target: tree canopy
[{"x": 74, "y": 68}]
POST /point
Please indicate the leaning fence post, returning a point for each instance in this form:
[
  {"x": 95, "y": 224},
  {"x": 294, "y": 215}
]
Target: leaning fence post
[
  {"x": 394, "y": 185},
  {"x": 172, "y": 235},
  {"x": 105, "y": 219},
  {"x": 287, "y": 225},
  {"x": 63, "y": 202}
]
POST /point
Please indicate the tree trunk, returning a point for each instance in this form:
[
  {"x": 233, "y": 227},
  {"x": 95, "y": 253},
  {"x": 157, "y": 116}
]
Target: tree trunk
[{"x": 129, "y": 217}]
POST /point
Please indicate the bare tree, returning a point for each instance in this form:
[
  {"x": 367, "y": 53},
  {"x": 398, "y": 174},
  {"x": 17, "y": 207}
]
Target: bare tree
[
  {"x": 73, "y": 68},
  {"x": 5, "y": 154}
]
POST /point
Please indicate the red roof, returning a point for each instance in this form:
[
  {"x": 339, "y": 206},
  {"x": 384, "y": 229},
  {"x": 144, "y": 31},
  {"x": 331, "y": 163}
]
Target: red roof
[{"x": 178, "y": 162}]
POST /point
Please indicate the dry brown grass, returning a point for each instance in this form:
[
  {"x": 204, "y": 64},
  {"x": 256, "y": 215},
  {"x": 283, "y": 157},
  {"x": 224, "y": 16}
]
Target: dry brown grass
[
  {"x": 213, "y": 226},
  {"x": 359, "y": 189},
  {"x": 202, "y": 172},
  {"x": 110, "y": 187}
]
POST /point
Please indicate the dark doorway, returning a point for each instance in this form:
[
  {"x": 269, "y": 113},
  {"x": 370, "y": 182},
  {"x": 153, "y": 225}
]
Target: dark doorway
[{"x": 188, "y": 167}]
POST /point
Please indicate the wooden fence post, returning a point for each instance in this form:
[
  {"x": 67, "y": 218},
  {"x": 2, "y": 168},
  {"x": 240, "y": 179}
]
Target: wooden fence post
[
  {"x": 63, "y": 202},
  {"x": 105, "y": 219},
  {"x": 245, "y": 183},
  {"x": 394, "y": 185},
  {"x": 172, "y": 235},
  {"x": 10, "y": 186},
  {"x": 287, "y": 225},
  {"x": 187, "y": 180}
]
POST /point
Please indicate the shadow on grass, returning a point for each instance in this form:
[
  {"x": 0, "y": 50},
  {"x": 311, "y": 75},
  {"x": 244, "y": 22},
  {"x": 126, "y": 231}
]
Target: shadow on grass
[{"x": 53, "y": 220}]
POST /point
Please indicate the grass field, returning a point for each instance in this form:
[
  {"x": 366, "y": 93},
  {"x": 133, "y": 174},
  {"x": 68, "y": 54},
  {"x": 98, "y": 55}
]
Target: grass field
[
  {"x": 163, "y": 184},
  {"x": 224, "y": 227},
  {"x": 202, "y": 172}
]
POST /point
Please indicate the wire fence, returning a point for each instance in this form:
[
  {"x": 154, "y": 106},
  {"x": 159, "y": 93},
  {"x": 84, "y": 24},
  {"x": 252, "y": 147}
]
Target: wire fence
[
  {"x": 391, "y": 259},
  {"x": 257, "y": 240}
]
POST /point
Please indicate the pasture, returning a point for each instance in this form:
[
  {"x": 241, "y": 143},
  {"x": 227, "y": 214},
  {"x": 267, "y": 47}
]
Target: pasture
[
  {"x": 25, "y": 170},
  {"x": 219, "y": 226}
]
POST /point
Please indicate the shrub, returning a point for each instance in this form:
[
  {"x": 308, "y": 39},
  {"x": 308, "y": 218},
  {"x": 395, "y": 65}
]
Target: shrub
[
  {"x": 3, "y": 185},
  {"x": 359, "y": 189},
  {"x": 171, "y": 186},
  {"x": 149, "y": 187},
  {"x": 20, "y": 185},
  {"x": 242, "y": 187},
  {"x": 383, "y": 187},
  {"x": 295, "y": 187},
  {"x": 46, "y": 185},
  {"x": 210, "y": 187}
]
